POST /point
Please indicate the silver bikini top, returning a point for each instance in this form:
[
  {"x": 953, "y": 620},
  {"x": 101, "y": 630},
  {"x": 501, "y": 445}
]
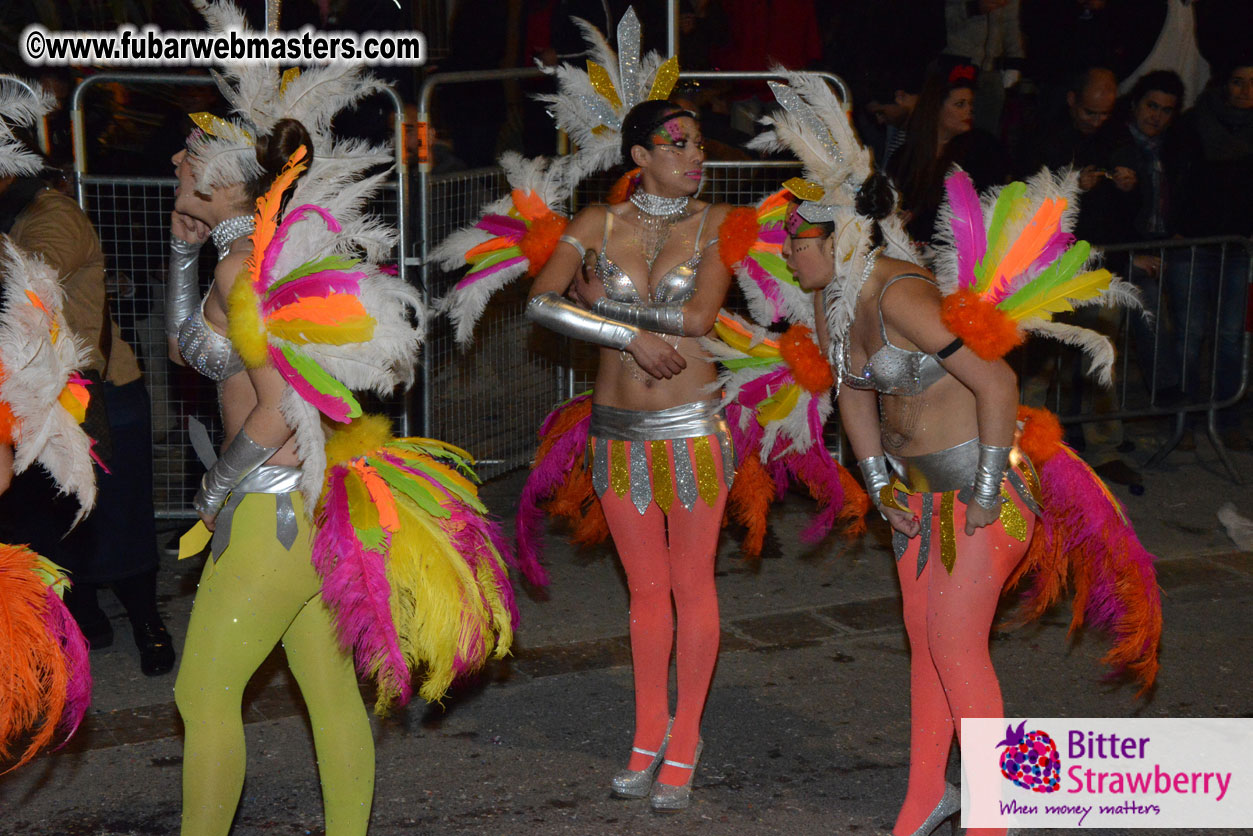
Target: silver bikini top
[
  {"x": 677, "y": 286},
  {"x": 892, "y": 370},
  {"x": 207, "y": 351}
]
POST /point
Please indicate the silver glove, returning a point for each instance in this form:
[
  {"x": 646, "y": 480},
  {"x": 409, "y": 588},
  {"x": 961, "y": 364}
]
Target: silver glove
[
  {"x": 182, "y": 288},
  {"x": 874, "y": 472},
  {"x": 993, "y": 464},
  {"x": 241, "y": 457},
  {"x": 664, "y": 319},
  {"x": 556, "y": 314}
]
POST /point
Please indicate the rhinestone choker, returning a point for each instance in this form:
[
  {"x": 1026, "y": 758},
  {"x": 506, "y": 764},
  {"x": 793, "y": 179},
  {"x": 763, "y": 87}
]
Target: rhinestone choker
[
  {"x": 657, "y": 206},
  {"x": 231, "y": 230}
]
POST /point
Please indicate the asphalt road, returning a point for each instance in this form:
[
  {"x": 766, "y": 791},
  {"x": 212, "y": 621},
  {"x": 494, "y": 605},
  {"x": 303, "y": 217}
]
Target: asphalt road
[{"x": 806, "y": 730}]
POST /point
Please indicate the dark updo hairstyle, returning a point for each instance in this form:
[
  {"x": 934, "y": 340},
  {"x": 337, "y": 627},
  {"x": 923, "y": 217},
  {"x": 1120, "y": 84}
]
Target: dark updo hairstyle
[
  {"x": 875, "y": 200},
  {"x": 273, "y": 151},
  {"x": 646, "y": 117}
]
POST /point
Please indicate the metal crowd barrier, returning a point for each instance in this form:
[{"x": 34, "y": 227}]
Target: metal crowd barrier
[
  {"x": 492, "y": 397},
  {"x": 132, "y": 216},
  {"x": 1190, "y": 355}
]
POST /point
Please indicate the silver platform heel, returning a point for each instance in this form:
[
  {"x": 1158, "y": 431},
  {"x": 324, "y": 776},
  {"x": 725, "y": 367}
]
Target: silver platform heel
[
  {"x": 630, "y": 783},
  {"x": 949, "y": 805},
  {"x": 668, "y": 799}
]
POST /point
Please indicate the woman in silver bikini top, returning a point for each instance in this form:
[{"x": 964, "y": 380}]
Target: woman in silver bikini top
[{"x": 892, "y": 370}]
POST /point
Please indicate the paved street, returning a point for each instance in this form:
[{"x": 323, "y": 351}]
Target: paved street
[{"x": 806, "y": 730}]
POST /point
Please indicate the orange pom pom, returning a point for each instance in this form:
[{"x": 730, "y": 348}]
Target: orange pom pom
[
  {"x": 540, "y": 240},
  {"x": 987, "y": 331},
  {"x": 621, "y": 190},
  {"x": 1041, "y": 434},
  {"x": 801, "y": 353},
  {"x": 736, "y": 235}
]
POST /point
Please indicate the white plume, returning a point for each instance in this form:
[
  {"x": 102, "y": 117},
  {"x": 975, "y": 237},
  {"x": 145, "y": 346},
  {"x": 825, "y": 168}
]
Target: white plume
[{"x": 21, "y": 104}]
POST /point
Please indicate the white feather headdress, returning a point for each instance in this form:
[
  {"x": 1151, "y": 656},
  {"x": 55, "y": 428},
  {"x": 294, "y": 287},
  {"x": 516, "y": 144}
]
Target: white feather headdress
[
  {"x": 260, "y": 95},
  {"x": 23, "y": 104},
  {"x": 814, "y": 126},
  {"x": 590, "y": 104}
]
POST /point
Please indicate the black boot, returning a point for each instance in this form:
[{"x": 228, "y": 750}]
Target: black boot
[
  {"x": 138, "y": 595},
  {"x": 81, "y": 601}
]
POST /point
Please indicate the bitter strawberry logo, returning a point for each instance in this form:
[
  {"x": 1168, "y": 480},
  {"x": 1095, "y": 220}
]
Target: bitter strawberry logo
[{"x": 1030, "y": 759}]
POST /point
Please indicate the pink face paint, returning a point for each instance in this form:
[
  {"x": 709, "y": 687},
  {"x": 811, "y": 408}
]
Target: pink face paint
[
  {"x": 668, "y": 133},
  {"x": 798, "y": 227}
]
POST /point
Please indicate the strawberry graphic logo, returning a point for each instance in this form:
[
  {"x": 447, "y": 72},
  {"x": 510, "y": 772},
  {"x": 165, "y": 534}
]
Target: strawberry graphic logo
[{"x": 1030, "y": 759}]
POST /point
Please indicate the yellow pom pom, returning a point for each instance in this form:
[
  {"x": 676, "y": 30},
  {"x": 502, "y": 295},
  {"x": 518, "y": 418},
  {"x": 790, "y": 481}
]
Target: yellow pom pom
[
  {"x": 245, "y": 328},
  {"x": 359, "y": 438}
]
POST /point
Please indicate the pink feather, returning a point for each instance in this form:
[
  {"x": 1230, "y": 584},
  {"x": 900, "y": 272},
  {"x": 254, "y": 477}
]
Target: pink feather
[
  {"x": 966, "y": 221},
  {"x": 504, "y": 226},
  {"x": 543, "y": 480},
  {"x": 321, "y": 283},
  {"x": 772, "y": 233},
  {"x": 337, "y": 409},
  {"x": 1088, "y": 528},
  {"x": 478, "y": 275},
  {"x": 1058, "y": 244},
  {"x": 62, "y": 626},
  {"x": 766, "y": 283},
  {"x": 355, "y": 588},
  {"x": 264, "y": 275}
]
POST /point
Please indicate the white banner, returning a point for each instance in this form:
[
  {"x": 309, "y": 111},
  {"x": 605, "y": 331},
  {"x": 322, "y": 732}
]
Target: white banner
[{"x": 1107, "y": 772}]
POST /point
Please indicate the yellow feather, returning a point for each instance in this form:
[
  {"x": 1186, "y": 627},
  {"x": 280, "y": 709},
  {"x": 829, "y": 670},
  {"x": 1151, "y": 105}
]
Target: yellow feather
[
  {"x": 244, "y": 325},
  {"x": 1083, "y": 286},
  {"x": 301, "y": 331}
]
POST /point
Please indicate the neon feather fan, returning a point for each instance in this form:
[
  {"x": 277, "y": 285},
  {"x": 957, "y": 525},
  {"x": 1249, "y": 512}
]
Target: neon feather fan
[
  {"x": 413, "y": 570},
  {"x": 777, "y": 396},
  {"x": 1007, "y": 263},
  {"x": 313, "y": 305},
  {"x": 515, "y": 236},
  {"x": 45, "y": 677}
]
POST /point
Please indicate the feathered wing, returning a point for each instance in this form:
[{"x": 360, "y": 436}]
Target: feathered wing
[
  {"x": 777, "y": 396},
  {"x": 413, "y": 570},
  {"x": 1007, "y": 262},
  {"x": 39, "y": 358},
  {"x": 21, "y": 104},
  {"x": 329, "y": 321},
  {"x": 514, "y": 237},
  {"x": 45, "y": 677}
]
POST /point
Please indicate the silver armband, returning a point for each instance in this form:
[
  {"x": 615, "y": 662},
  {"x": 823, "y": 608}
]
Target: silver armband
[
  {"x": 993, "y": 464},
  {"x": 241, "y": 457},
  {"x": 182, "y": 287},
  {"x": 874, "y": 472},
  {"x": 557, "y": 314},
  {"x": 664, "y": 319}
]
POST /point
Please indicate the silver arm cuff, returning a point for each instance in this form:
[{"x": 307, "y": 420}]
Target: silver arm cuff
[
  {"x": 182, "y": 288},
  {"x": 241, "y": 457},
  {"x": 993, "y": 464},
  {"x": 557, "y": 314},
  {"x": 664, "y": 319},
  {"x": 874, "y": 472}
]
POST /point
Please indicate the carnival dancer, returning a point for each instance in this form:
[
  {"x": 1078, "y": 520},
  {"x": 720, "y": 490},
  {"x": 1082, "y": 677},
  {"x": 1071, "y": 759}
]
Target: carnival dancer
[
  {"x": 930, "y": 409},
  {"x": 45, "y": 677},
  {"x": 353, "y": 546}
]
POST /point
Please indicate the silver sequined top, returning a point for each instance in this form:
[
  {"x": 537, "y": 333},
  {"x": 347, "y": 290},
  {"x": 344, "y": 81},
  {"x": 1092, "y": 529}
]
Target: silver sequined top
[
  {"x": 207, "y": 351},
  {"x": 674, "y": 288},
  {"x": 892, "y": 370}
]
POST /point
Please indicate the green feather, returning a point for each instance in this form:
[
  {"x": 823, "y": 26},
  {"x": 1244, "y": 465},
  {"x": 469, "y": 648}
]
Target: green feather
[
  {"x": 319, "y": 379},
  {"x": 775, "y": 266},
  {"x": 737, "y": 363},
  {"x": 1000, "y": 213},
  {"x": 330, "y": 262},
  {"x": 491, "y": 259},
  {"x": 413, "y": 488},
  {"x": 371, "y": 539}
]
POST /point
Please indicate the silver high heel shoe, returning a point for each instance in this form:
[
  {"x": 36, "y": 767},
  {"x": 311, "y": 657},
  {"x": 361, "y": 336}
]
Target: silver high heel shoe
[
  {"x": 668, "y": 799},
  {"x": 630, "y": 783},
  {"x": 949, "y": 805}
]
